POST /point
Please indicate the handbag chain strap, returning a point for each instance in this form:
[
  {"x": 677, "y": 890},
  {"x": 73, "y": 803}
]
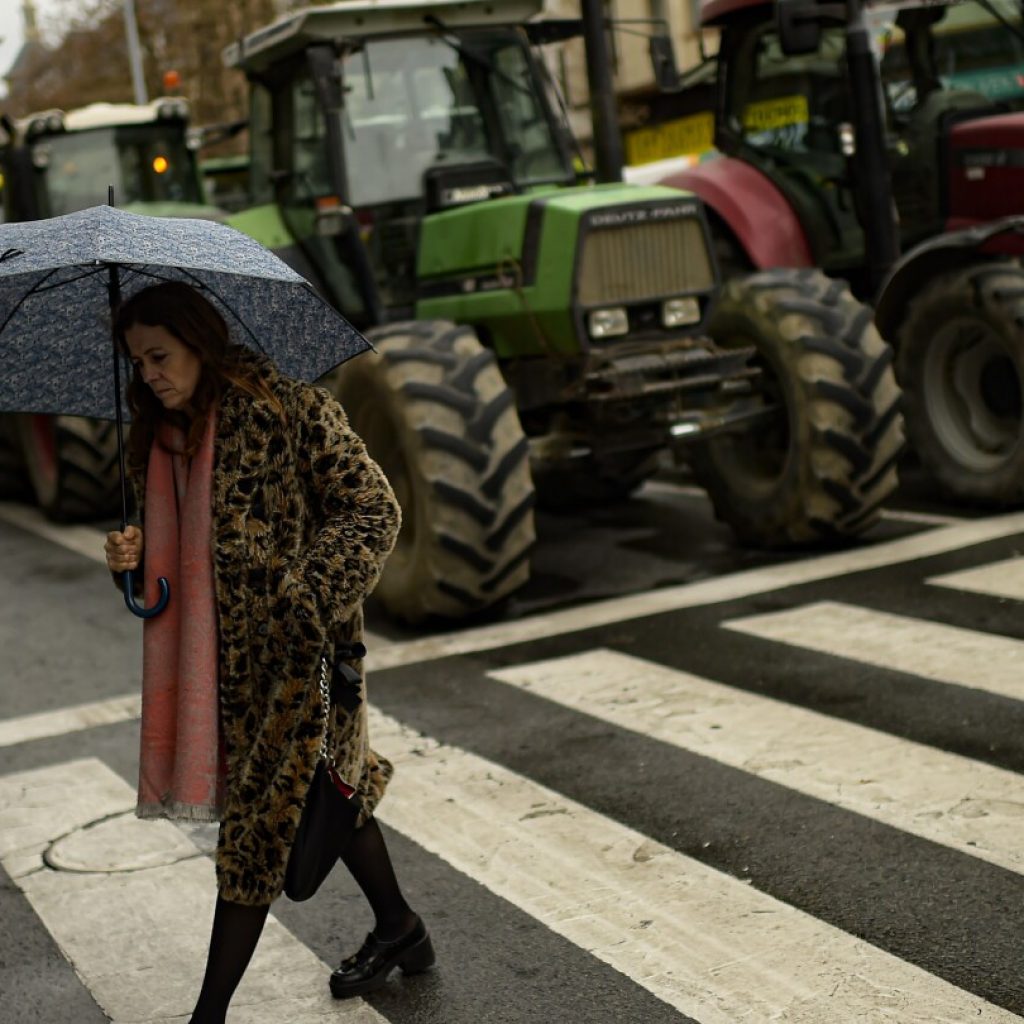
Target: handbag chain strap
[{"x": 325, "y": 696}]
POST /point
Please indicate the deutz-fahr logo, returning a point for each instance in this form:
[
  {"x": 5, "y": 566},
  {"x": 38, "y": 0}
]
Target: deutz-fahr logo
[{"x": 640, "y": 215}]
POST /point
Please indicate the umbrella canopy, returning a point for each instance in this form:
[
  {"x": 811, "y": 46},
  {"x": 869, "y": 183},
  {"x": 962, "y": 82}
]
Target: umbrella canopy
[{"x": 55, "y": 318}]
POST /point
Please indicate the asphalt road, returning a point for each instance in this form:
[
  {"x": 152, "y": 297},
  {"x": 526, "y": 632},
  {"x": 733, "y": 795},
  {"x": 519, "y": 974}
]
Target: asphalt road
[{"x": 674, "y": 781}]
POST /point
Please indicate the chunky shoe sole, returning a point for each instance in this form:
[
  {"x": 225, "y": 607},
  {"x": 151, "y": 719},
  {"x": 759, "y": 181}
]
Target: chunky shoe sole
[{"x": 415, "y": 960}]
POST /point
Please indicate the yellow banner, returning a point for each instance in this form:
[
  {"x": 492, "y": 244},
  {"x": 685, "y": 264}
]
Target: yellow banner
[
  {"x": 778, "y": 113},
  {"x": 693, "y": 134}
]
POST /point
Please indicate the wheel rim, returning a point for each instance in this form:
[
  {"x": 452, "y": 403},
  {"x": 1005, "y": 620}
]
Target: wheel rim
[{"x": 972, "y": 394}]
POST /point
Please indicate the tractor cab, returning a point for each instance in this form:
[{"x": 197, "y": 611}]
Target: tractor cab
[
  {"x": 58, "y": 162},
  {"x": 379, "y": 115},
  {"x": 791, "y": 118}
]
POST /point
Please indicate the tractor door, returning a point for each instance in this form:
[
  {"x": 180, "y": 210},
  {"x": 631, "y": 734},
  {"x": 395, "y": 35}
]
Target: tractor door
[
  {"x": 789, "y": 116},
  {"x": 290, "y": 170},
  {"x": 409, "y": 108}
]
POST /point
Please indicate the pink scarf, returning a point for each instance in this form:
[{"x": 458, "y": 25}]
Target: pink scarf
[{"x": 181, "y": 772}]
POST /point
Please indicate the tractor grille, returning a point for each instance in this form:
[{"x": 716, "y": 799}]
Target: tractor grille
[{"x": 634, "y": 262}]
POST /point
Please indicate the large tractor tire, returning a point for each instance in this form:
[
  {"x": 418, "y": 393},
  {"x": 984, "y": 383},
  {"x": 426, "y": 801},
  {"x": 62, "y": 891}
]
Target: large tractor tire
[
  {"x": 437, "y": 415},
  {"x": 73, "y": 466},
  {"x": 961, "y": 367},
  {"x": 14, "y": 482},
  {"x": 820, "y": 472}
]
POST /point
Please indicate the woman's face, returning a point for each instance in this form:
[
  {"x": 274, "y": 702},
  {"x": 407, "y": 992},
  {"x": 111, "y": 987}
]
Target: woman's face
[{"x": 163, "y": 362}]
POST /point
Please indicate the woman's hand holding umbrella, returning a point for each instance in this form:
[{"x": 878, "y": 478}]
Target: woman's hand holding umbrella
[{"x": 123, "y": 550}]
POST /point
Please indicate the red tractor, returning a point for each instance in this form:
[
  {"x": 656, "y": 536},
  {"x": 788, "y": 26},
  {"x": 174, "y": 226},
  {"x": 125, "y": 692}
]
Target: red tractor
[{"x": 845, "y": 135}]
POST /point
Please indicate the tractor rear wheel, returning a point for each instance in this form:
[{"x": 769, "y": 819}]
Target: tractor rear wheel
[
  {"x": 436, "y": 414},
  {"x": 72, "y": 464},
  {"x": 822, "y": 470},
  {"x": 961, "y": 366}
]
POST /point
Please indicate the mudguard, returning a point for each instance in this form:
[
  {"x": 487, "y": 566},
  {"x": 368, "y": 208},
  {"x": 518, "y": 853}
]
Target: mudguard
[
  {"x": 937, "y": 255},
  {"x": 753, "y": 208}
]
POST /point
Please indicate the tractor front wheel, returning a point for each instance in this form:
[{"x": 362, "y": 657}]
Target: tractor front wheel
[
  {"x": 820, "y": 472},
  {"x": 961, "y": 366},
  {"x": 436, "y": 414}
]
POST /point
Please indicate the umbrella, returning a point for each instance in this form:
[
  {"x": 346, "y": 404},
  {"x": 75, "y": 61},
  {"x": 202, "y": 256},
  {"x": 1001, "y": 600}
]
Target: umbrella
[{"x": 61, "y": 278}]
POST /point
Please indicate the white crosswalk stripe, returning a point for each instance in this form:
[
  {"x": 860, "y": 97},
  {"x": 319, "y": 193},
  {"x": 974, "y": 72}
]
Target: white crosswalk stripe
[
  {"x": 998, "y": 579},
  {"x": 952, "y": 800},
  {"x": 706, "y": 591},
  {"x": 44, "y": 724},
  {"x": 945, "y": 654}
]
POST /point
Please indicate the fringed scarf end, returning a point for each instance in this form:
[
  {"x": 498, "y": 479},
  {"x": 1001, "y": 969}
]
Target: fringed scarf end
[{"x": 175, "y": 811}]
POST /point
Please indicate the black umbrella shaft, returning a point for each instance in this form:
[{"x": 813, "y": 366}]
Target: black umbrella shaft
[{"x": 114, "y": 294}]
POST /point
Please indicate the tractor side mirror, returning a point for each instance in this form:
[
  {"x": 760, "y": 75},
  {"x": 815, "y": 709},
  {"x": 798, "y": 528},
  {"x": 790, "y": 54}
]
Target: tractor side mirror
[
  {"x": 663, "y": 63},
  {"x": 799, "y": 26}
]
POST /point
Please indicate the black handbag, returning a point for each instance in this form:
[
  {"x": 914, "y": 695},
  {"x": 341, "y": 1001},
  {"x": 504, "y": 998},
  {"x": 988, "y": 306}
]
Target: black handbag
[{"x": 329, "y": 816}]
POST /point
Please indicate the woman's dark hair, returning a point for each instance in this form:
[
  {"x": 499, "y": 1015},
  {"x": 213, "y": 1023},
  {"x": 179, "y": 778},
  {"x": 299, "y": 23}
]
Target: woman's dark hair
[{"x": 194, "y": 321}]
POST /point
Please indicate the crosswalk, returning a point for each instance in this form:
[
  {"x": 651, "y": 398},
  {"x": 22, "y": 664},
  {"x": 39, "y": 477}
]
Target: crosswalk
[{"x": 616, "y": 785}]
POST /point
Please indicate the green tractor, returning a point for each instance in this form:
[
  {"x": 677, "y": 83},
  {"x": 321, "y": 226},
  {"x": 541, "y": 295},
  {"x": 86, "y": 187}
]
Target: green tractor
[
  {"x": 538, "y": 336},
  {"x": 847, "y": 133},
  {"x": 54, "y": 163}
]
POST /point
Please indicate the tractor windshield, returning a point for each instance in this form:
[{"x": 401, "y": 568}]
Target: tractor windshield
[
  {"x": 968, "y": 48},
  {"x": 421, "y": 102},
  {"x": 145, "y": 163}
]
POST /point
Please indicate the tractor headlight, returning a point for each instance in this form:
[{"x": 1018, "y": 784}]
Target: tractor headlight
[
  {"x": 680, "y": 312},
  {"x": 608, "y": 323}
]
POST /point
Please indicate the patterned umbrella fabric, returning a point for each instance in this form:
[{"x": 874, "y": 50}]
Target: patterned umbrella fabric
[{"x": 55, "y": 321}]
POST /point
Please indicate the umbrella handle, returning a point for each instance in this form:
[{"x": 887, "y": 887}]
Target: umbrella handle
[{"x": 134, "y": 607}]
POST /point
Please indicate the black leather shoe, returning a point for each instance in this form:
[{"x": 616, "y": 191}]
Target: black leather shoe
[{"x": 370, "y": 967}]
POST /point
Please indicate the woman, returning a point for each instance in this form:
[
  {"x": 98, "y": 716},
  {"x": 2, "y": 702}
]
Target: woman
[{"x": 264, "y": 509}]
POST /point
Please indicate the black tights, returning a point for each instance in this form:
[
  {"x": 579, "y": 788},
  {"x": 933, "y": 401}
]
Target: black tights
[
  {"x": 237, "y": 928},
  {"x": 369, "y": 864}
]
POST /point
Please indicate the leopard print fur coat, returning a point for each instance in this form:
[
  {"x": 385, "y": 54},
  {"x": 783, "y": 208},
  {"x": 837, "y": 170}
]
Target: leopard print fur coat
[{"x": 303, "y": 520}]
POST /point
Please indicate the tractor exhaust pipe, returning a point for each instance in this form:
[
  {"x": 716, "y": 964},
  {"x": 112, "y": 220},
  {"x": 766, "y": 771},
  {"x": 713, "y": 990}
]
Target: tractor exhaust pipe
[
  {"x": 607, "y": 139},
  {"x": 880, "y": 220}
]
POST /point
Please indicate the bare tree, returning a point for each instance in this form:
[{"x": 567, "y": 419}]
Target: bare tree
[
  {"x": 77, "y": 60},
  {"x": 189, "y": 37},
  {"x": 83, "y": 54}
]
